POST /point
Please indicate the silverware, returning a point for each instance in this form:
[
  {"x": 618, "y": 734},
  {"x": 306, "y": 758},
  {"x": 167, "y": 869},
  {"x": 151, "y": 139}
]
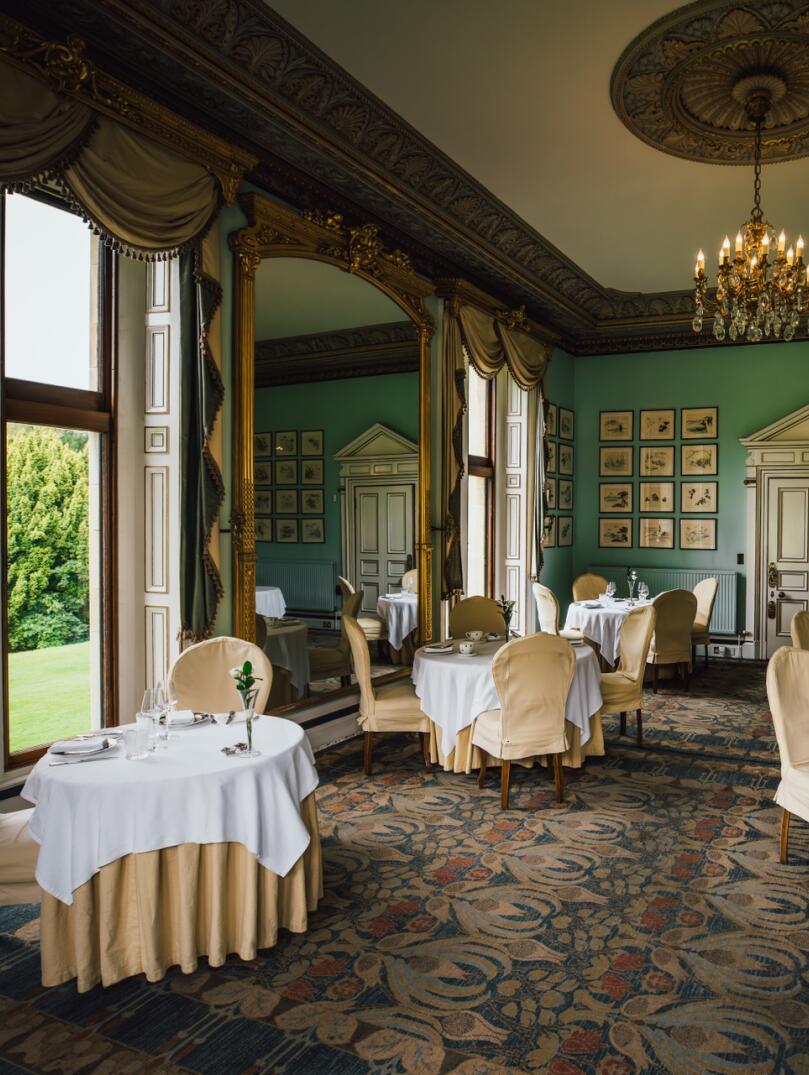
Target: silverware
[{"x": 231, "y": 715}]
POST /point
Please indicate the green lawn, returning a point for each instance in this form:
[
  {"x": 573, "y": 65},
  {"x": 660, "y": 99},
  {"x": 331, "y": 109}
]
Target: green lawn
[{"x": 49, "y": 694}]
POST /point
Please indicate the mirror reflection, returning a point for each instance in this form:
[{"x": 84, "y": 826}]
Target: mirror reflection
[{"x": 336, "y": 475}]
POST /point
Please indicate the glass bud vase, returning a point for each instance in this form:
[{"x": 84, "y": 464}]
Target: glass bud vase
[{"x": 248, "y": 698}]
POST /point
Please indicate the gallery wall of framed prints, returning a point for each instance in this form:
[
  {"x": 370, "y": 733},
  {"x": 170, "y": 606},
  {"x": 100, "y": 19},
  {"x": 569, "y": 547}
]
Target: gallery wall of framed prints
[
  {"x": 559, "y": 466},
  {"x": 288, "y": 474}
]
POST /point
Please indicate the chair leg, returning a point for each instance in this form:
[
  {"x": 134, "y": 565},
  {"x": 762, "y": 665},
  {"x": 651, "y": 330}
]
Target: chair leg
[
  {"x": 345, "y": 681},
  {"x": 505, "y": 783},
  {"x": 639, "y": 727},
  {"x": 425, "y": 750},
  {"x": 484, "y": 760},
  {"x": 558, "y": 778},
  {"x": 784, "y": 835},
  {"x": 368, "y": 753},
  {"x": 685, "y": 676},
  {"x": 623, "y": 723},
  {"x": 654, "y": 679},
  {"x": 694, "y": 655},
  {"x": 706, "y": 654}
]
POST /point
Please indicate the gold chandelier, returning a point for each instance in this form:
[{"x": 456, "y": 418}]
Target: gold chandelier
[{"x": 761, "y": 291}]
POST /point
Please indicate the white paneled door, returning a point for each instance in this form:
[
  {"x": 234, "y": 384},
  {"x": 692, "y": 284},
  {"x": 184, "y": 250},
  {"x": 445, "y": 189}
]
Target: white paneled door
[
  {"x": 787, "y": 555},
  {"x": 383, "y": 521}
]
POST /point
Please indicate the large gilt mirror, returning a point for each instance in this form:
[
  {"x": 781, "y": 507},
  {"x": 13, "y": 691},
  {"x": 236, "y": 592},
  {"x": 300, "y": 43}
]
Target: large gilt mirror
[{"x": 331, "y": 448}]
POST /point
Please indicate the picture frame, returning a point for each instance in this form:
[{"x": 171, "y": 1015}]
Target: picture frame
[
  {"x": 312, "y": 502},
  {"x": 615, "y": 533},
  {"x": 656, "y": 533},
  {"x": 658, "y": 424},
  {"x": 615, "y": 462},
  {"x": 552, "y": 453},
  {"x": 549, "y": 541},
  {"x": 565, "y": 494},
  {"x": 564, "y": 530},
  {"x": 654, "y": 497},
  {"x": 262, "y": 472},
  {"x": 312, "y": 472},
  {"x": 313, "y": 531},
  {"x": 263, "y": 502},
  {"x": 262, "y": 445},
  {"x": 263, "y": 529},
  {"x": 699, "y": 423},
  {"x": 286, "y": 501},
  {"x": 615, "y": 497},
  {"x": 566, "y": 420},
  {"x": 699, "y": 497},
  {"x": 699, "y": 459},
  {"x": 312, "y": 442},
  {"x": 616, "y": 425},
  {"x": 551, "y": 419},
  {"x": 286, "y": 472},
  {"x": 565, "y": 458},
  {"x": 286, "y": 531},
  {"x": 550, "y": 492},
  {"x": 286, "y": 443},
  {"x": 698, "y": 534},
  {"x": 656, "y": 462}
]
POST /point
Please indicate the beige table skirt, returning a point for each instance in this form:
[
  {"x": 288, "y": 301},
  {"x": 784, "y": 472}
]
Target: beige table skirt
[
  {"x": 466, "y": 757},
  {"x": 147, "y": 912}
]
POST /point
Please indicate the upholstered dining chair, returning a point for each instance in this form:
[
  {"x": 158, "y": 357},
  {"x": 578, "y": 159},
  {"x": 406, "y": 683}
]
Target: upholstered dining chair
[
  {"x": 345, "y": 587},
  {"x": 476, "y": 614},
  {"x": 622, "y": 689},
  {"x": 392, "y": 708},
  {"x": 788, "y": 695},
  {"x": 327, "y": 662},
  {"x": 410, "y": 580},
  {"x": 705, "y": 592},
  {"x": 532, "y": 676},
  {"x": 373, "y": 626},
  {"x": 548, "y": 613},
  {"x": 18, "y": 860},
  {"x": 200, "y": 677},
  {"x": 799, "y": 629},
  {"x": 671, "y": 643},
  {"x": 588, "y": 587},
  {"x": 261, "y": 630}
]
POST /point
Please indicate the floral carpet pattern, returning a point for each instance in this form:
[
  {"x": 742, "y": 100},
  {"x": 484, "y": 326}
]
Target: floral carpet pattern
[{"x": 644, "y": 925}]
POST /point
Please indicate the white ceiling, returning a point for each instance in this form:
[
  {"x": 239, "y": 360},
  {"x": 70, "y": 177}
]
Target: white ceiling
[{"x": 517, "y": 93}]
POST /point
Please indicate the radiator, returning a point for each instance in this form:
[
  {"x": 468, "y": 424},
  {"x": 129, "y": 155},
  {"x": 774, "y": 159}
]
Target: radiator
[
  {"x": 724, "y": 620},
  {"x": 307, "y": 585}
]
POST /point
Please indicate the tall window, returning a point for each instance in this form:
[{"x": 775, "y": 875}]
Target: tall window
[
  {"x": 57, "y": 446},
  {"x": 480, "y": 510}
]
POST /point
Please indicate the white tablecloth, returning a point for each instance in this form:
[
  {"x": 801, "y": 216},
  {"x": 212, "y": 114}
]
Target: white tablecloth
[
  {"x": 454, "y": 689},
  {"x": 401, "y": 614},
  {"x": 287, "y": 646},
  {"x": 602, "y": 625},
  {"x": 92, "y": 813},
  {"x": 270, "y": 601}
]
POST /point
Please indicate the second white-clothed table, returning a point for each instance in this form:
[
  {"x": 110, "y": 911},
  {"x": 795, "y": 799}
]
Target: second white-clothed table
[
  {"x": 287, "y": 646},
  {"x": 270, "y": 601},
  {"x": 454, "y": 689},
  {"x": 601, "y": 622},
  {"x": 401, "y": 614}
]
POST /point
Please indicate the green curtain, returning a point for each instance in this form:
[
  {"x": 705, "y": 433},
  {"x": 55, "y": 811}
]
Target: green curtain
[{"x": 202, "y": 490}]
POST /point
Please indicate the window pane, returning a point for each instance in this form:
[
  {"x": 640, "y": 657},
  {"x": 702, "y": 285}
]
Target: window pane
[
  {"x": 51, "y": 260},
  {"x": 477, "y": 515},
  {"x": 53, "y": 636},
  {"x": 478, "y": 414}
]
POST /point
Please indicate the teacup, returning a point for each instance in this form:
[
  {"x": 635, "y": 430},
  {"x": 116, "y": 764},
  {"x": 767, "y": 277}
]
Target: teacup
[
  {"x": 474, "y": 636},
  {"x": 468, "y": 647}
]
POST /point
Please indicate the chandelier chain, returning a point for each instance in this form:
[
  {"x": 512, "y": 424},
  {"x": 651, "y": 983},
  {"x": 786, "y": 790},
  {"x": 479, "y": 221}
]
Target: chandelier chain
[{"x": 757, "y": 213}]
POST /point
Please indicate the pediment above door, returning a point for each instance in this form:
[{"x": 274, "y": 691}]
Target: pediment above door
[
  {"x": 377, "y": 443},
  {"x": 785, "y": 442}
]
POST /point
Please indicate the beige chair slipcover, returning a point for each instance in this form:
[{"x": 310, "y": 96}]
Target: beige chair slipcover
[
  {"x": 147, "y": 912},
  {"x": 799, "y": 629},
  {"x": 18, "y": 860},
  {"x": 200, "y": 678},
  {"x": 671, "y": 643},
  {"x": 788, "y": 695},
  {"x": 410, "y": 580},
  {"x": 705, "y": 592},
  {"x": 548, "y": 613},
  {"x": 588, "y": 587},
  {"x": 476, "y": 614},
  {"x": 532, "y": 676},
  {"x": 466, "y": 757},
  {"x": 622, "y": 689},
  {"x": 326, "y": 662},
  {"x": 394, "y": 708},
  {"x": 345, "y": 587}
]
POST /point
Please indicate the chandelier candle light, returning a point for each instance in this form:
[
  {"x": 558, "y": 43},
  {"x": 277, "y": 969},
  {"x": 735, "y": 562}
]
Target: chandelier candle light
[{"x": 761, "y": 290}]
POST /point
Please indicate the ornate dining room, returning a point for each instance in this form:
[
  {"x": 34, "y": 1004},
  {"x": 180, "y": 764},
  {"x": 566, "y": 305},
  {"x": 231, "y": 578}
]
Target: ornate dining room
[{"x": 404, "y": 515}]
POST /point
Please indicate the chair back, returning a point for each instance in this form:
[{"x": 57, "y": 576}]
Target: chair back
[
  {"x": 476, "y": 614},
  {"x": 351, "y": 608},
  {"x": 636, "y": 637},
  {"x": 788, "y": 695},
  {"x": 547, "y": 609},
  {"x": 261, "y": 630},
  {"x": 799, "y": 629},
  {"x": 345, "y": 587},
  {"x": 675, "y": 610},
  {"x": 588, "y": 587},
  {"x": 200, "y": 677},
  {"x": 533, "y": 676},
  {"x": 705, "y": 592},
  {"x": 410, "y": 580},
  {"x": 361, "y": 657}
]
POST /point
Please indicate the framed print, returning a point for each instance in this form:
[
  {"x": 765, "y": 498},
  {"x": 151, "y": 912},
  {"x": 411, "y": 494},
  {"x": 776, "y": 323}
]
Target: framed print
[
  {"x": 286, "y": 443},
  {"x": 550, "y": 492},
  {"x": 615, "y": 462},
  {"x": 550, "y": 532},
  {"x": 311, "y": 501},
  {"x": 698, "y": 534},
  {"x": 565, "y": 423},
  {"x": 657, "y": 425},
  {"x": 699, "y": 459},
  {"x": 263, "y": 529},
  {"x": 656, "y": 533},
  {"x": 615, "y": 425},
  {"x": 262, "y": 445},
  {"x": 656, "y": 462},
  {"x": 552, "y": 450},
  {"x": 699, "y": 496},
  {"x": 615, "y": 533},
  {"x": 656, "y": 496},
  {"x": 565, "y": 496},
  {"x": 312, "y": 442},
  {"x": 263, "y": 502},
  {"x": 615, "y": 496},
  {"x": 286, "y": 531},
  {"x": 564, "y": 529},
  {"x": 312, "y": 472},
  {"x": 565, "y": 458},
  {"x": 697, "y": 423},
  {"x": 313, "y": 531},
  {"x": 286, "y": 472},
  {"x": 262, "y": 472},
  {"x": 286, "y": 501},
  {"x": 551, "y": 419}
]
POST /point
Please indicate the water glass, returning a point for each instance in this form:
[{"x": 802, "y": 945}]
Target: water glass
[
  {"x": 610, "y": 590},
  {"x": 643, "y": 591},
  {"x": 136, "y": 743},
  {"x": 150, "y": 707}
]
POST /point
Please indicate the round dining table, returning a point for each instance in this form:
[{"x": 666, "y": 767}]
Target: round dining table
[
  {"x": 287, "y": 646},
  {"x": 601, "y": 621},
  {"x": 270, "y": 601},
  {"x": 400, "y": 613}
]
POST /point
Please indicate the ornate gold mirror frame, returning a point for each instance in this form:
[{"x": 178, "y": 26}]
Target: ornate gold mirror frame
[{"x": 274, "y": 231}]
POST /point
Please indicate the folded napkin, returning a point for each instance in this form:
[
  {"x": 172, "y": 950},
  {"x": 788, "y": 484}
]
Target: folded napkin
[
  {"x": 392, "y": 595},
  {"x": 90, "y": 745},
  {"x": 445, "y": 647},
  {"x": 592, "y": 604},
  {"x": 182, "y": 716}
]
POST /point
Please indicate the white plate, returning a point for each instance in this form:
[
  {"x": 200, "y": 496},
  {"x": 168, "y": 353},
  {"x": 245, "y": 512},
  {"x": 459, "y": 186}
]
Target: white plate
[{"x": 82, "y": 750}]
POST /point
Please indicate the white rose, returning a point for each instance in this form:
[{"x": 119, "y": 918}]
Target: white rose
[{"x": 235, "y": 672}]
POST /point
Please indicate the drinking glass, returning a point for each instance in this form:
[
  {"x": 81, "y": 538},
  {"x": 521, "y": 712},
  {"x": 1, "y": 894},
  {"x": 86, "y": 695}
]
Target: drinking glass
[
  {"x": 150, "y": 708},
  {"x": 136, "y": 743},
  {"x": 610, "y": 590},
  {"x": 643, "y": 591},
  {"x": 164, "y": 706}
]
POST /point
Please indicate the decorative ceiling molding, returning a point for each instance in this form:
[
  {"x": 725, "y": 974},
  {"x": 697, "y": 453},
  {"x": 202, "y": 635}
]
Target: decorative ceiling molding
[
  {"x": 367, "y": 351},
  {"x": 682, "y": 83}
]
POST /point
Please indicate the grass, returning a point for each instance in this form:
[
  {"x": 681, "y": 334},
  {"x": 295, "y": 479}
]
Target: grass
[{"x": 49, "y": 694}]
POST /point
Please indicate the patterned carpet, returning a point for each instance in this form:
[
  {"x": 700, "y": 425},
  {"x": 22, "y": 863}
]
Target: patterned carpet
[{"x": 644, "y": 925}]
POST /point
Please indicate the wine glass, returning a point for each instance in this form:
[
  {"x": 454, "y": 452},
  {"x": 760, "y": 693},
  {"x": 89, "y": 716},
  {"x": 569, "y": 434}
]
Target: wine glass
[
  {"x": 643, "y": 590},
  {"x": 164, "y": 707},
  {"x": 611, "y": 590},
  {"x": 150, "y": 712}
]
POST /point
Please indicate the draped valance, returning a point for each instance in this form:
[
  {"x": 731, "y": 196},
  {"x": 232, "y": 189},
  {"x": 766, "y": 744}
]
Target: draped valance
[{"x": 491, "y": 344}]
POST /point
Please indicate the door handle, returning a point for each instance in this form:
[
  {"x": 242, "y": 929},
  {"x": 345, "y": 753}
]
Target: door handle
[
  {"x": 781, "y": 594},
  {"x": 772, "y": 575}
]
